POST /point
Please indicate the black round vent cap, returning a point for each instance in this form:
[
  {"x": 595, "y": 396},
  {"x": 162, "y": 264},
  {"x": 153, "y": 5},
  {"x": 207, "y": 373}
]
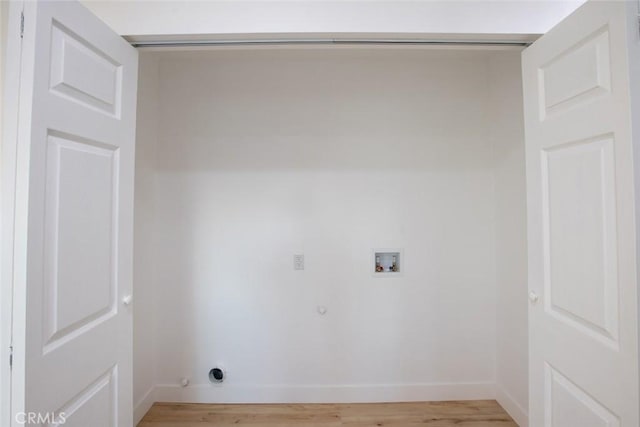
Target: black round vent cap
[{"x": 216, "y": 375}]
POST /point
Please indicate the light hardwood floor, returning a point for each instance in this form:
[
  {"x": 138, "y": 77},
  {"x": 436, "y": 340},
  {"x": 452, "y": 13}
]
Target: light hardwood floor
[{"x": 477, "y": 413}]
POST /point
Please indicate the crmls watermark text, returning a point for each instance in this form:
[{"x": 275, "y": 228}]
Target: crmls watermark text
[{"x": 27, "y": 418}]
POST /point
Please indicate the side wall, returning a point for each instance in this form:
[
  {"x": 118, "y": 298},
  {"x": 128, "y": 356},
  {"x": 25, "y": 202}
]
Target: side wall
[
  {"x": 144, "y": 376},
  {"x": 634, "y": 72},
  {"x": 507, "y": 136}
]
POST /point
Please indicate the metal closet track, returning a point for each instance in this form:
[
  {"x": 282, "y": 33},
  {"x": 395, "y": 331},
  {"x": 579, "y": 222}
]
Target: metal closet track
[{"x": 328, "y": 41}]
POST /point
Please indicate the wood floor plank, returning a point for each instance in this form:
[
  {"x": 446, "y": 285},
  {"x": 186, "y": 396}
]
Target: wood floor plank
[{"x": 478, "y": 413}]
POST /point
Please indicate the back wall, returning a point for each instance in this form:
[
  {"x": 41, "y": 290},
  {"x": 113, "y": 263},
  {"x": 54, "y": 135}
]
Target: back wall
[{"x": 263, "y": 154}]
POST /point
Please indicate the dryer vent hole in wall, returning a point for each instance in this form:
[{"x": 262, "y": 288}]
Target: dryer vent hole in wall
[{"x": 216, "y": 375}]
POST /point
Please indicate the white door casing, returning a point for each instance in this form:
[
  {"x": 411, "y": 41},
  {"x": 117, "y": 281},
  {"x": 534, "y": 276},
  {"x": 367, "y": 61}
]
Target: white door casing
[
  {"x": 10, "y": 94},
  {"x": 72, "y": 332},
  {"x": 583, "y": 323}
]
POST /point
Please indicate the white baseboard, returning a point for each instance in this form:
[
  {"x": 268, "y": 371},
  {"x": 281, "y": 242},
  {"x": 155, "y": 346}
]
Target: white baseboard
[
  {"x": 513, "y": 408},
  {"x": 210, "y": 393},
  {"x": 143, "y": 405}
]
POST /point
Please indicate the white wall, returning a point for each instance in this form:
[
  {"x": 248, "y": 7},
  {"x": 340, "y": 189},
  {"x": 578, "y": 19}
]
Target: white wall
[
  {"x": 507, "y": 137},
  {"x": 328, "y": 152},
  {"x": 275, "y": 17},
  {"x": 144, "y": 376}
]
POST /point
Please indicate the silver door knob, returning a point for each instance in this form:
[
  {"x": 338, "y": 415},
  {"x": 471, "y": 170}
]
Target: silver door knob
[
  {"x": 533, "y": 297},
  {"x": 127, "y": 300}
]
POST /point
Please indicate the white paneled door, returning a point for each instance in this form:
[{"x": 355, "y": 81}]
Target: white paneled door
[
  {"x": 73, "y": 320},
  {"x": 583, "y": 315}
]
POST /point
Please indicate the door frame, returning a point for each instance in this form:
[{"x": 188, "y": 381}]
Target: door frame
[{"x": 14, "y": 173}]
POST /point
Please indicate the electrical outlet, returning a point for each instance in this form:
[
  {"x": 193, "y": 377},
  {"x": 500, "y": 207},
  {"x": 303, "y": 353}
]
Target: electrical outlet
[{"x": 298, "y": 262}]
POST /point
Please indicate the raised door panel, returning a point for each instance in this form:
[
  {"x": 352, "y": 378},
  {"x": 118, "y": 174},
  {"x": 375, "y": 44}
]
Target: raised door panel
[
  {"x": 577, "y": 75},
  {"x": 580, "y": 236},
  {"x": 80, "y": 237},
  {"x": 83, "y": 73},
  {"x": 567, "y": 405}
]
